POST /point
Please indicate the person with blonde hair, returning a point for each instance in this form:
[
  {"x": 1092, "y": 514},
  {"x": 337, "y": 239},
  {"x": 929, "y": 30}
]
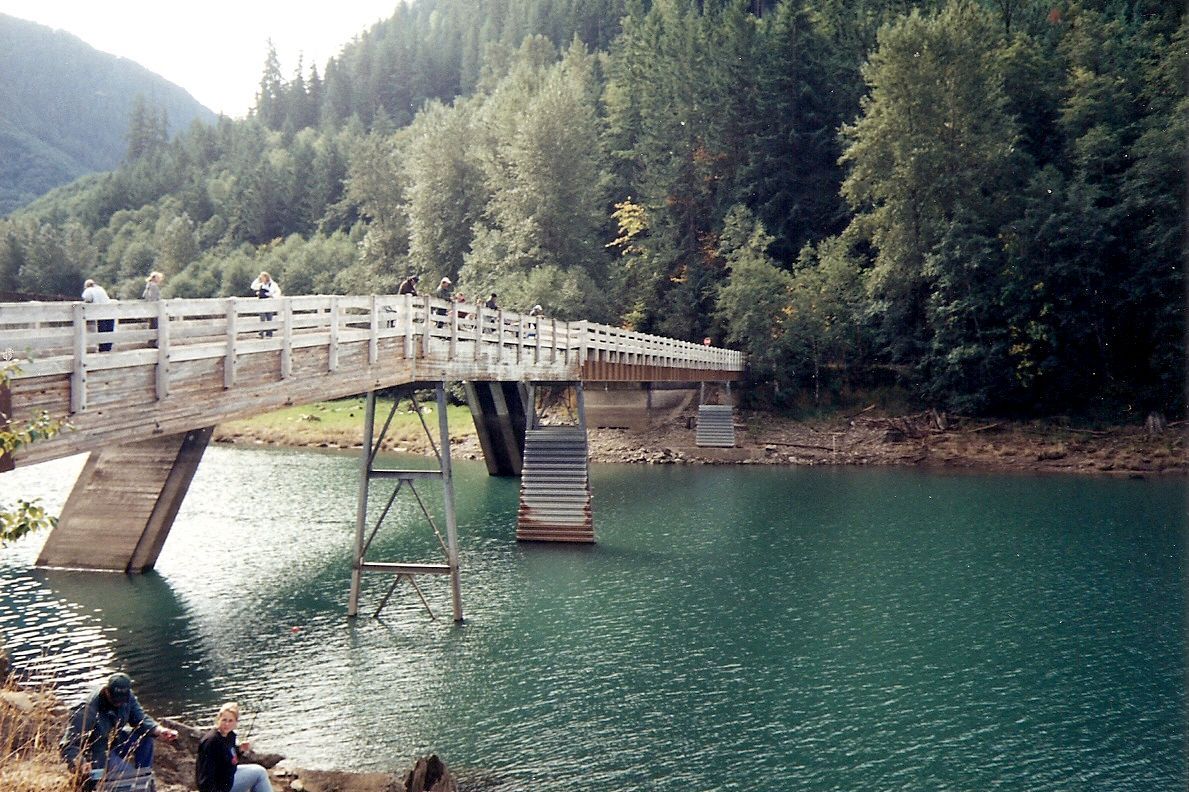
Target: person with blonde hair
[
  {"x": 219, "y": 767},
  {"x": 152, "y": 287},
  {"x": 265, "y": 288}
]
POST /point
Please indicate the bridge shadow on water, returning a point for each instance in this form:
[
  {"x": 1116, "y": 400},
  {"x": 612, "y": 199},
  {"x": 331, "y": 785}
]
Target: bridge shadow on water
[{"x": 146, "y": 631}]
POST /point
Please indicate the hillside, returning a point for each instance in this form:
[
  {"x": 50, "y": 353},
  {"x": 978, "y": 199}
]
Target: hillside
[
  {"x": 994, "y": 229},
  {"x": 65, "y": 107}
]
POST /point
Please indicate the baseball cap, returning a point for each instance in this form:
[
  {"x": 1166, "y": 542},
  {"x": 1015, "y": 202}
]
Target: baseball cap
[{"x": 119, "y": 688}]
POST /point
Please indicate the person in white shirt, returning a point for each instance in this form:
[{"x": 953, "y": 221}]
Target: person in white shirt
[
  {"x": 266, "y": 288},
  {"x": 94, "y": 293}
]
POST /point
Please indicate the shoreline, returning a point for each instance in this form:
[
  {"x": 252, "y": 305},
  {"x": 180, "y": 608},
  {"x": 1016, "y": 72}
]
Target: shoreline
[
  {"x": 926, "y": 441},
  {"x": 32, "y": 719},
  {"x": 929, "y": 441}
]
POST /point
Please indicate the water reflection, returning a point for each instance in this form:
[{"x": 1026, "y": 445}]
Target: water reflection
[
  {"x": 144, "y": 626},
  {"x": 732, "y": 629}
]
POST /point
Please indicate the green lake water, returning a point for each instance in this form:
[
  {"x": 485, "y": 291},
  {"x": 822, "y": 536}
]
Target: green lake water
[{"x": 734, "y": 628}]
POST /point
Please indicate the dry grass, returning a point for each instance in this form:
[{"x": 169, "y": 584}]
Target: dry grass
[{"x": 30, "y": 724}]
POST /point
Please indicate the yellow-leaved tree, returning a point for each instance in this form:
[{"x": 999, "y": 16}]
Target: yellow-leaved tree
[{"x": 24, "y": 515}]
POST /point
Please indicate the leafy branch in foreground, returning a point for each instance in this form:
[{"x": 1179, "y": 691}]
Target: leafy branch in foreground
[{"x": 25, "y": 516}]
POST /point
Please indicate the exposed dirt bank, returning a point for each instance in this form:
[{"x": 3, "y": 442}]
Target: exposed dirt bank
[{"x": 867, "y": 438}]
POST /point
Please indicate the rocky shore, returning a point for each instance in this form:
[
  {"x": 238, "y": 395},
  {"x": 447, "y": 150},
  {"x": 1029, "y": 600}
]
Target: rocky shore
[
  {"x": 31, "y": 721},
  {"x": 866, "y": 437}
]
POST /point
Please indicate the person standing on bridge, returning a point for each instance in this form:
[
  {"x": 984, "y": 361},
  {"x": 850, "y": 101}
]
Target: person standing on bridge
[
  {"x": 109, "y": 735},
  {"x": 152, "y": 287},
  {"x": 445, "y": 291},
  {"x": 266, "y": 288},
  {"x": 536, "y": 313},
  {"x": 152, "y": 293},
  {"x": 95, "y": 294},
  {"x": 408, "y": 285}
]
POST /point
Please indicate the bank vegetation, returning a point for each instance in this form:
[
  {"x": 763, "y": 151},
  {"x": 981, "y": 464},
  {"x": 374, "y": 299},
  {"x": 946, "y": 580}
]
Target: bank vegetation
[{"x": 978, "y": 202}]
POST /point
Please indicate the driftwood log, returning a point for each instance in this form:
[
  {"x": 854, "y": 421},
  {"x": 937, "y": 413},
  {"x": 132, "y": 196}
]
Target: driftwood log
[{"x": 429, "y": 774}]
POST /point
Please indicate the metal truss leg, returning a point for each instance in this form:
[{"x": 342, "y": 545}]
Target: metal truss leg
[{"x": 406, "y": 479}]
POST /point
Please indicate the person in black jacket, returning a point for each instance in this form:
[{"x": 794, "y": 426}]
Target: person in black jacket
[{"x": 218, "y": 768}]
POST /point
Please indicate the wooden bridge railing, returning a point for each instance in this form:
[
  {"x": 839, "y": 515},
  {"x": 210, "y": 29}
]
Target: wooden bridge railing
[
  {"x": 170, "y": 365},
  {"x": 58, "y": 338}
]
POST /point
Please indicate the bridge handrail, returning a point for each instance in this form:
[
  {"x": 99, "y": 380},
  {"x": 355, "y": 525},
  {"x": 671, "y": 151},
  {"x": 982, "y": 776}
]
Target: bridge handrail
[{"x": 59, "y": 338}]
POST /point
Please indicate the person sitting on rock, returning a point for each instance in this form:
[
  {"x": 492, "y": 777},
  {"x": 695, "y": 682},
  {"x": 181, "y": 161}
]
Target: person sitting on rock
[
  {"x": 108, "y": 735},
  {"x": 219, "y": 767}
]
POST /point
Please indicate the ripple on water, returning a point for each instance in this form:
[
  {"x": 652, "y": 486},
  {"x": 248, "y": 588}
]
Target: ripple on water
[{"x": 733, "y": 629}]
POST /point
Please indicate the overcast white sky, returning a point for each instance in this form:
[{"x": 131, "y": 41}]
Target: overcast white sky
[{"x": 215, "y": 49}]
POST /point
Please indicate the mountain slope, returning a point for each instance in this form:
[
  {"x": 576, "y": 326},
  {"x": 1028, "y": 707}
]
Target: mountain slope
[{"x": 64, "y": 108}]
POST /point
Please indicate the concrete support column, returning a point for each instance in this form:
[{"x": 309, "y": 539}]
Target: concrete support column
[
  {"x": 499, "y": 412},
  {"x": 124, "y": 503}
]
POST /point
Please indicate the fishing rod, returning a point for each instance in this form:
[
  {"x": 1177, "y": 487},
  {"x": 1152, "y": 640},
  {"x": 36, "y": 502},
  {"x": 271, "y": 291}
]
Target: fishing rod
[{"x": 251, "y": 723}]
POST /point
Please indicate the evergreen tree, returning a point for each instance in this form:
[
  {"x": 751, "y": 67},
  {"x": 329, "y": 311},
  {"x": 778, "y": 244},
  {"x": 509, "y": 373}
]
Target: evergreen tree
[
  {"x": 270, "y": 99},
  {"x": 147, "y": 130},
  {"x": 932, "y": 147}
]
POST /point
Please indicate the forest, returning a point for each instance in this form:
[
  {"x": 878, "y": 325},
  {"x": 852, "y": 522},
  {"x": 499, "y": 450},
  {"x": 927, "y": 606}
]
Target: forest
[{"x": 976, "y": 203}]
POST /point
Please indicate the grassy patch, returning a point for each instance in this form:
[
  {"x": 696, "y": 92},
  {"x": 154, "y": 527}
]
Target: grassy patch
[{"x": 340, "y": 423}]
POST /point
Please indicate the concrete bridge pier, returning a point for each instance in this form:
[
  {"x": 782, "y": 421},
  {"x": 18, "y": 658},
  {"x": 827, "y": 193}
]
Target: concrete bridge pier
[
  {"x": 500, "y": 412},
  {"x": 124, "y": 503}
]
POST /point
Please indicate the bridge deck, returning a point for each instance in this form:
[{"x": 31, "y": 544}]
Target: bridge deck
[{"x": 178, "y": 365}]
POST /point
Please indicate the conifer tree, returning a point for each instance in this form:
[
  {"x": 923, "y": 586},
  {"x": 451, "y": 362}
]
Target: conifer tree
[{"x": 270, "y": 99}]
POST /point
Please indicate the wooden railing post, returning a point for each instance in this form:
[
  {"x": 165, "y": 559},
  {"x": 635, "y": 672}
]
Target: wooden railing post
[
  {"x": 425, "y": 331},
  {"x": 286, "y": 337},
  {"x": 499, "y": 335},
  {"x": 520, "y": 338},
  {"x": 162, "y": 349},
  {"x": 406, "y": 322},
  {"x": 453, "y": 330},
  {"x": 478, "y": 327},
  {"x": 373, "y": 343},
  {"x": 229, "y": 362},
  {"x": 332, "y": 354},
  {"x": 537, "y": 332},
  {"x": 78, "y": 378}
]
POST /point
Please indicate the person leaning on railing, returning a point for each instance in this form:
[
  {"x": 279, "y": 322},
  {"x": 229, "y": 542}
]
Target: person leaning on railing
[
  {"x": 95, "y": 294},
  {"x": 152, "y": 287},
  {"x": 152, "y": 293},
  {"x": 266, "y": 288}
]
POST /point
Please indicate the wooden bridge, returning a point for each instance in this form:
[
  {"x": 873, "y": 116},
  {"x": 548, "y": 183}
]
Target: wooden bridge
[{"x": 144, "y": 382}]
